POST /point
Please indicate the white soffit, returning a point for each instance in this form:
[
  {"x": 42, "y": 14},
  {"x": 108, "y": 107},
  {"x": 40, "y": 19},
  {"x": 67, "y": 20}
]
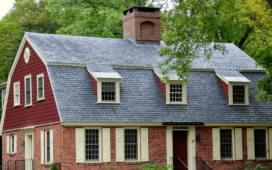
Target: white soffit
[
  {"x": 98, "y": 75},
  {"x": 237, "y": 79}
]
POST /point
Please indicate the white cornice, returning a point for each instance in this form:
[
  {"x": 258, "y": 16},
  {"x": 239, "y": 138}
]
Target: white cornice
[{"x": 111, "y": 124}]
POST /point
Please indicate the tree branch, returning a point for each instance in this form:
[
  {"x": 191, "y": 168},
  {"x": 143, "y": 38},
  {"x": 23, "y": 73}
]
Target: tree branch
[
  {"x": 243, "y": 40},
  {"x": 269, "y": 2}
]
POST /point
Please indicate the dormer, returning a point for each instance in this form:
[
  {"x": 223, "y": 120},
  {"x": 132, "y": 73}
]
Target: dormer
[
  {"x": 106, "y": 85},
  {"x": 174, "y": 90},
  {"x": 234, "y": 85}
]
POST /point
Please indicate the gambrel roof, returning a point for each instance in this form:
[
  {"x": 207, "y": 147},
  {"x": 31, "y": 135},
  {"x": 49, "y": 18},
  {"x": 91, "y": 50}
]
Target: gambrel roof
[{"x": 141, "y": 96}]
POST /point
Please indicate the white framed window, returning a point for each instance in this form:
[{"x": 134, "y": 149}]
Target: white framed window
[
  {"x": 223, "y": 144},
  {"x": 88, "y": 145},
  {"x": 176, "y": 93},
  {"x": 40, "y": 87},
  {"x": 16, "y": 93},
  {"x": 12, "y": 144},
  {"x": 132, "y": 144},
  {"x": 28, "y": 91},
  {"x": 238, "y": 94},
  {"x": 48, "y": 150},
  {"x": 108, "y": 91},
  {"x": 257, "y": 143}
]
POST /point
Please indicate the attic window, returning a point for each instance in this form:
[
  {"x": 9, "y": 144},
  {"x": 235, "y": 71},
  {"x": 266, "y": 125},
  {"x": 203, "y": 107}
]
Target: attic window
[
  {"x": 27, "y": 55},
  {"x": 238, "y": 94},
  {"x": 108, "y": 91},
  {"x": 175, "y": 92}
]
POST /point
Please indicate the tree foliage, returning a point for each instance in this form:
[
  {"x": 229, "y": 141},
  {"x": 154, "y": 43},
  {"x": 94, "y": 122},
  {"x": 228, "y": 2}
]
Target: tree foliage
[
  {"x": 99, "y": 18},
  {"x": 194, "y": 24}
]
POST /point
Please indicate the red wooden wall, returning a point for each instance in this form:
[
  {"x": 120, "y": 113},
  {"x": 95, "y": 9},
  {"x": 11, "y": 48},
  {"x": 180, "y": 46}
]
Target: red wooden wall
[
  {"x": 94, "y": 83},
  {"x": 41, "y": 112},
  {"x": 225, "y": 88},
  {"x": 162, "y": 86}
]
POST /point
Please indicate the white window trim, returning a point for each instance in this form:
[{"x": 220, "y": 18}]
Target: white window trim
[
  {"x": 266, "y": 140},
  {"x": 231, "y": 93},
  {"x": 28, "y": 76},
  {"x": 139, "y": 146},
  {"x": 38, "y": 76},
  {"x": 16, "y": 104},
  {"x": 184, "y": 92},
  {"x": 233, "y": 143},
  {"x": 117, "y": 91},
  {"x": 99, "y": 151}
]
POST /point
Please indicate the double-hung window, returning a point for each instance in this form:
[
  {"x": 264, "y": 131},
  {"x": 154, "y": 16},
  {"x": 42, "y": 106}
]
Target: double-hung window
[
  {"x": 47, "y": 146},
  {"x": 108, "y": 91},
  {"x": 12, "y": 143},
  {"x": 92, "y": 144},
  {"x": 175, "y": 93},
  {"x": 226, "y": 143},
  {"x": 40, "y": 87},
  {"x": 131, "y": 144},
  {"x": 238, "y": 94},
  {"x": 16, "y": 92},
  {"x": 28, "y": 91},
  {"x": 260, "y": 143}
]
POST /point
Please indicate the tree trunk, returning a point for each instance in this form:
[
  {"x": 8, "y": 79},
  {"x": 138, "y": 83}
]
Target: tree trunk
[{"x": 141, "y": 3}]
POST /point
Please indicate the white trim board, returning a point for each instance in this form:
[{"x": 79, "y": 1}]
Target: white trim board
[{"x": 111, "y": 124}]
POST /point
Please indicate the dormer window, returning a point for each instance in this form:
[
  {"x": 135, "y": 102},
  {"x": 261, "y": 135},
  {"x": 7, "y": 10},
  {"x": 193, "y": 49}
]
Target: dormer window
[
  {"x": 176, "y": 92},
  {"x": 108, "y": 91},
  {"x": 238, "y": 94}
]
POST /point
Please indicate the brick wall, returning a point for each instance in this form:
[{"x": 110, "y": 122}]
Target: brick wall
[
  {"x": 65, "y": 151},
  {"x": 142, "y": 26},
  {"x": 204, "y": 149}
]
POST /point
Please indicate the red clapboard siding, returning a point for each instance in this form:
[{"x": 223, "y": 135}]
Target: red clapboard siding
[
  {"x": 94, "y": 83},
  {"x": 41, "y": 112},
  {"x": 225, "y": 88},
  {"x": 162, "y": 86}
]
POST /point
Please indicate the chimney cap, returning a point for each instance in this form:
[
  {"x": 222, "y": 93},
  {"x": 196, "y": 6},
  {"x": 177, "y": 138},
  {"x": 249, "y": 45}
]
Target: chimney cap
[{"x": 142, "y": 7}]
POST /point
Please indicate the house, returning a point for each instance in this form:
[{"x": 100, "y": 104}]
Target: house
[{"x": 91, "y": 103}]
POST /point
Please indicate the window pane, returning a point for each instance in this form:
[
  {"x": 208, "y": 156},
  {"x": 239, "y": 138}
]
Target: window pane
[
  {"x": 226, "y": 143},
  {"x": 131, "y": 144},
  {"x": 175, "y": 92},
  {"x": 92, "y": 144},
  {"x": 12, "y": 143},
  {"x": 239, "y": 94},
  {"x": 40, "y": 87},
  {"x": 28, "y": 91},
  {"x": 108, "y": 91},
  {"x": 48, "y": 145},
  {"x": 260, "y": 144}
]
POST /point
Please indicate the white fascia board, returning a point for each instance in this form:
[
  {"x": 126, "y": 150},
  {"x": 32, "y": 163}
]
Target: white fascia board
[
  {"x": 3, "y": 85},
  {"x": 171, "y": 77},
  {"x": 237, "y": 79},
  {"x": 112, "y": 124},
  {"x": 103, "y": 75}
]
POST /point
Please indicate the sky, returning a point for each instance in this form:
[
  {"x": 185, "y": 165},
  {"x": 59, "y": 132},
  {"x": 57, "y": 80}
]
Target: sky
[{"x": 5, "y": 6}]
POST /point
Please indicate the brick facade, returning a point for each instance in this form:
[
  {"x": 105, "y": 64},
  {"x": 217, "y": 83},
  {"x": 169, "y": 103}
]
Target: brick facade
[
  {"x": 142, "y": 26},
  {"x": 204, "y": 148},
  {"x": 65, "y": 150}
]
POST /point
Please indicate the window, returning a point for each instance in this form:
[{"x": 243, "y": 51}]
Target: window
[
  {"x": 226, "y": 143},
  {"x": 238, "y": 94},
  {"x": 48, "y": 146},
  {"x": 131, "y": 144},
  {"x": 40, "y": 87},
  {"x": 175, "y": 92},
  {"x": 108, "y": 91},
  {"x": 16, "y": 93},
  {"x": 92, "y": 144},
  {"x": 12, "y": 144},
  {"x": 260, "y": 143},
  {"x": 28, "y": 91}
]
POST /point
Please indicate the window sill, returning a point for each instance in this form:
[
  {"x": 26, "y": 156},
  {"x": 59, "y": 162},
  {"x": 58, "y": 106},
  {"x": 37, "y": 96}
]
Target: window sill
[
  {"x": 132, "y": 160},
  {"x": 17, "y": 105},
  {"x": 47, "y": 165},
  {"x": 238, "y": 104},
  {"x": 28, "y": 105},
  {"x": 11, "y": 154},
  {"x": 108, "y": 103},
  {"x": 40, "y": 99},
  {"x": 185, "y": 104}
]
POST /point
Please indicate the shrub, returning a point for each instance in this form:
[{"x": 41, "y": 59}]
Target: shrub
[
  {"x": 155, "y": 166},
  {"x": 110, "y": 168},
  {"x": 249, "y": 166},
  {"x": 54, "y": 166}
]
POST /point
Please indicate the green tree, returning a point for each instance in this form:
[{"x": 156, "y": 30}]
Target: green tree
[
  {"x": 193, "y": 25},
  {"x": 99, "y": 18}
]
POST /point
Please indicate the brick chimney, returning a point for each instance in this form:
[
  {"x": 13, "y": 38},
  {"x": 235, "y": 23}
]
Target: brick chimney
[{"x": 142, "y": 24}]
